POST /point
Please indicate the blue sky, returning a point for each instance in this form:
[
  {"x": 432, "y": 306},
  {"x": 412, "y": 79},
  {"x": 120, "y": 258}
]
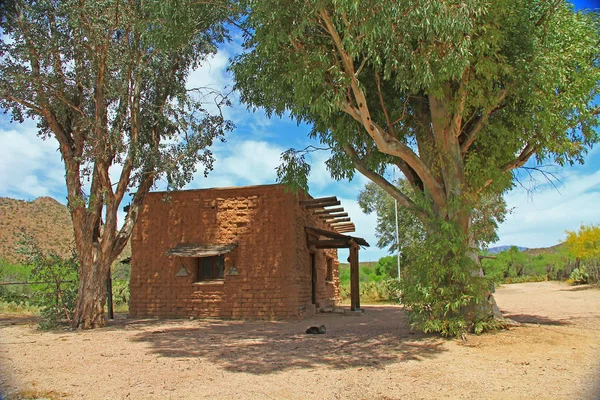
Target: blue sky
[{"x": 31, "y": 167}]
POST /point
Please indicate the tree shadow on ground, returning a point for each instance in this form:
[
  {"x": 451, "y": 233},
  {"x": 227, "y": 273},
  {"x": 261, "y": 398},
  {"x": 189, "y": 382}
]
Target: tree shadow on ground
[
  {"x": 536, "y": 319},
  {"x": 7, "y": 319},
  {"x": 261, "y": 347},
  {"x": 578, "y": 288}
]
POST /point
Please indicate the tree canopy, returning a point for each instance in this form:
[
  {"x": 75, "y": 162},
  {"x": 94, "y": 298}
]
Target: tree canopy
[
  {"x": 433, "y": 87},
  {"x": 107, "y": 80},
  {"x": 455, "y": 94}
]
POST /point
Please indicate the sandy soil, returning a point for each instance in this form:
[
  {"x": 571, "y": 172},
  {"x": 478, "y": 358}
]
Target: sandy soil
[{"x": 555, "y": 354}]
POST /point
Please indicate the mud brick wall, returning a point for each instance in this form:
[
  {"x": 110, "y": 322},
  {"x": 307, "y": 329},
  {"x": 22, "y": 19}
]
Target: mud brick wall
[{"x": 265, "y": 222}]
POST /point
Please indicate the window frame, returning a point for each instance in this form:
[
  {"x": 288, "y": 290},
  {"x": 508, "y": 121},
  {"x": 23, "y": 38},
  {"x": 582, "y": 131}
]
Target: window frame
[{"x": 214, "y": 271}]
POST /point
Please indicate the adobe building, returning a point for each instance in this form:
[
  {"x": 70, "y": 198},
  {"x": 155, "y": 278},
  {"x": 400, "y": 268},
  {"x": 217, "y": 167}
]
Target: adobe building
[{"x": 242, "y": 252}]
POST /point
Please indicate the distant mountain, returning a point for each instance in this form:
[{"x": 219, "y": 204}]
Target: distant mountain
[
  {"x": 44, "y": 219},
  {"x": 500, "y": 249}
]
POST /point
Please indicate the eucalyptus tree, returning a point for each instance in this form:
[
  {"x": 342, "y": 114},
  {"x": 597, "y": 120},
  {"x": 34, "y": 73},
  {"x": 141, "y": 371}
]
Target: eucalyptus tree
[
  {"x": 107, "y": 79},
  {"x": 455, "y": 94}
]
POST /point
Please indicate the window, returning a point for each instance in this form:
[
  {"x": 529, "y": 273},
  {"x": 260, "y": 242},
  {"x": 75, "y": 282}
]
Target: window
[
  {"x": 210, "y": 268},
  {"x": 329, "y": 277}
]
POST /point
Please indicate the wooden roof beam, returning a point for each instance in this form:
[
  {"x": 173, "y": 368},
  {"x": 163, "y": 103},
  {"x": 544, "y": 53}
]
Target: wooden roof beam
[
  {"x": 319, "y": 200},
  {"x": 328, "y": 211},
  {"x": 335, "y": 235},
  {"x": 334, "y": 215},
  {"x": 340, "y": 223},
  {"x": 330, "y": 244},
  {"x": 337, "y": 220},
  {"x": 343, "y": 225},
  {"x": 322, "y": 204}
]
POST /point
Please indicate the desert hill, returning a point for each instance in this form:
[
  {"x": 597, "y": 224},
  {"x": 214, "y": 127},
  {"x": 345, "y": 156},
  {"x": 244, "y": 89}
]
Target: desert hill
[
  {"x": 44, "y": 219},
  {"x": 546, "y": 250}
]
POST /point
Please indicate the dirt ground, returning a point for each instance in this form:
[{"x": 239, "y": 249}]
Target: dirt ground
[{"x": 555, "y": 354}]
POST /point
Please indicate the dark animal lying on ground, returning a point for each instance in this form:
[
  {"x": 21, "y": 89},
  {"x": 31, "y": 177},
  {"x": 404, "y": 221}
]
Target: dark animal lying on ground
[{"x": 316, "y": 330}]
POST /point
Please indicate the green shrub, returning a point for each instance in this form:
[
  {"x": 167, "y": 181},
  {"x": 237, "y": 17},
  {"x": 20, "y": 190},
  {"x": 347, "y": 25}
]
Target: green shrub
[
  {"x": 10, "y": 272},
  {"x": 512, "y": 266},
  {"x": 381, "y": 290},
  {"x": 579, "y": 276},
  {"x": 387, "y": 266},
  {"x": 439, "y": 290},
  {"x": 20, "y": 307},
  {"x": 525, "y": 278},
  {"x": 374, "y": 282},
  {"x": 57, "y": 293},
  {"x": 121, "y": 271},
  {"x": 344, "y": 291},
  {"x": 120, "y": 291}
]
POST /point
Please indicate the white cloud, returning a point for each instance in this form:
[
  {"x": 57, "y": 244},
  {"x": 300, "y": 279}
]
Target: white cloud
[
  {"x": 30, "y": 167},
  {"x": 240, "y": 163},
  {"x": 540, "y": 219},
  {"x": 254, "y": 162},
  {"x": 212, "y": 73},
  {"x": 319, "y": 177},
  {"x": 213, "y": 80}
]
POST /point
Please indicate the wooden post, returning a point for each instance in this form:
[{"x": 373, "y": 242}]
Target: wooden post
[
  {"x": 354, "y": 278},
  {"x": 109, "y": 299}
]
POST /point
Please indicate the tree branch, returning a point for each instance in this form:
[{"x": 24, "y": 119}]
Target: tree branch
[
  {"x": 386, "y": 143},
  {"x": 361, "y": 166},
  {"x": 462, "y": 92},
  {"x": 383, "y": 107},
  {"x": 410, "y": 174},
  {"x": 521, "y": 159},
  {"x": 471, "y": 135},
  {"x": 595, "y": 111},
  {"x": 25, "y": 103},
  {"x": 132, "y": 215}
]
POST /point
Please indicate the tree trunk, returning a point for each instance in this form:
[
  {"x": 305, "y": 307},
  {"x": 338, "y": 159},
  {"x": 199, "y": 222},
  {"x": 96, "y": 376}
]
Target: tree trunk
[
  {"x": 91, "y": 297},
  {"x": 488, "y": 308}
]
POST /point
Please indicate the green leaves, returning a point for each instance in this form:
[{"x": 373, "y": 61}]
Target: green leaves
[
  {"x": 294, "y": 170},
  {"x": 57, "y": 292},
  {"x": 438, "y": 287}
]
